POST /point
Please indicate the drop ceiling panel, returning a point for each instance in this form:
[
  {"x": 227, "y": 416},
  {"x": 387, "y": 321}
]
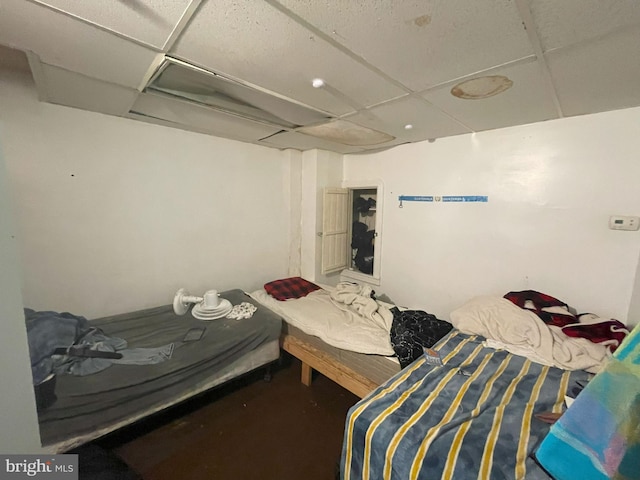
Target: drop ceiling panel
[
  {"x": 565, "y": 22},
  {"x": 347, "y": 133},
  {"x": 150, "y": 21},
  {"x": 64, "y": 42},
  {"x": 527, "y": 101},
  {"x": 200, "y": 118},
  {"x": 600, "y": 75},
  {"x": 424, "y": 43},
  {"x": 257, "y": 43},
  {"x": 427, "y": 121},
  {"x": 74, "y": 90},
  {"x": 301, "y": 141},
  {"x": 399, "y": 59},
  {"x": 13, "y": 60}
]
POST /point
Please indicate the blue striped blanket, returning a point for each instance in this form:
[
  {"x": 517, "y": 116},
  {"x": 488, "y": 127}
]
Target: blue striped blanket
[
  {"x": 599, "y": 435},
  {"x": 471, "y": 417}
]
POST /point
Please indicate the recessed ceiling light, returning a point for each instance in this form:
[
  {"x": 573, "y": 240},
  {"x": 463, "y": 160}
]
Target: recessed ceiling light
[
  {"x": 317, "y": 83},
  {"x": 481, "y": 87},
  {"x": 408, "y": 126}
]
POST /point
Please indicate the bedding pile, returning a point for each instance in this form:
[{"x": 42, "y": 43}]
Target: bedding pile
[
  {"x": 554, "y": 312},
  {"x": 535, "y": 332},
  {"x": 360, "y": 298},
  {"x": 337, "y": 322},
  {"x": 349, "y": 317}
]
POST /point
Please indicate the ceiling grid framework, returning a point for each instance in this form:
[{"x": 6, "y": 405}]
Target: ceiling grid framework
[{"x": 383, "y": 65}]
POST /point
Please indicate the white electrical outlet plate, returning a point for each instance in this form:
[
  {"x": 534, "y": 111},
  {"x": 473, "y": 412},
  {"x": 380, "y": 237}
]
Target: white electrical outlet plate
[{"x": 619, "y": 222}]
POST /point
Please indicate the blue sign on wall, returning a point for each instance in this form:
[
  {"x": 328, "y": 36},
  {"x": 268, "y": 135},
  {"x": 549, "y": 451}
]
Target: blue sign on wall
[{"x": 445, "y": 198}]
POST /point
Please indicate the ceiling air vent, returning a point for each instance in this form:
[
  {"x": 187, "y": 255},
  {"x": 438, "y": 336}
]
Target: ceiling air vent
[{"x": 196, "y": 85}]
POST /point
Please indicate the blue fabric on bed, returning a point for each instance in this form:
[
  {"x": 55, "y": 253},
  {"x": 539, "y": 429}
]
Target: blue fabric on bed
[
  {"x": 472, "y": 417},
  {"x": 47, "y": 331}
]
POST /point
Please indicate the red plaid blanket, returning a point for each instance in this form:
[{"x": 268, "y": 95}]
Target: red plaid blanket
[{"x": 286, "y": 288}]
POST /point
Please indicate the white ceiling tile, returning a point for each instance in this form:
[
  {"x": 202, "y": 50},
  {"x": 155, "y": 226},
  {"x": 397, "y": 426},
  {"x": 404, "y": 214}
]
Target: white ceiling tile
[
  {"x": 424, "y": 43},
  {"x": 347, "y": 133},
  {"x": 560, "y": 23},
  {"x": 150, "y": 21},
  {"x": 74, "y": 90},
  {"x": 426, "y": 120},
  {"x": 591, "y": 50},
  {"x": 61, "y": 41},
  {"x": 598, "y": 76},
  {"x": 301, "y": 141},
  {"x": 257, "y": 43},
  {"x": 198, "y": 118},
  {"x": 527, "y": 101}
]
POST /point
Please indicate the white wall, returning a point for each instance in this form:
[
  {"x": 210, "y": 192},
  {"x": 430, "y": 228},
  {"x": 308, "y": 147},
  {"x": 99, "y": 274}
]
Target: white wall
[
  {"x": 294, "y": 180},
  {"x": 320, "y": 170},
  {"x": 634, "y": 308},
  {"x": 115, "y": 215},
  {"x": 18, "y": 420},
  {"x": 552, "y": 187}
]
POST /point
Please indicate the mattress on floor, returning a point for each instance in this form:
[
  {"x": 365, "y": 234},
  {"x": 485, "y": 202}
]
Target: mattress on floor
[{"x": 92, "y": 405}]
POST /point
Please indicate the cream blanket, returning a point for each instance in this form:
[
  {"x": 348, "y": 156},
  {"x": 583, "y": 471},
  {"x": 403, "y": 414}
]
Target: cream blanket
[
  {"x": 358, "y": 297},
  {"x": 350, "y": 322},
  {"x": 509, "y": 327}
]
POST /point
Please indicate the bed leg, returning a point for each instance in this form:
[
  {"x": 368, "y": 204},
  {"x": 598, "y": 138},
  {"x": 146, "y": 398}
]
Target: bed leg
[
  {"x": 307, "y": 373},
  {"x": 267, "y": 373}
]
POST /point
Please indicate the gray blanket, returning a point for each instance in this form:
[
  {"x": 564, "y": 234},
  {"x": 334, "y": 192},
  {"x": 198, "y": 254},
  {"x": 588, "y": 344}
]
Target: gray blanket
[{"x": 92, "y": 402}]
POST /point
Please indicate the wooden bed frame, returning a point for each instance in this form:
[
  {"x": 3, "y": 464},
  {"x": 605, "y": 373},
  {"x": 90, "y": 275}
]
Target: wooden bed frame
[
  {"x": 313, "y": 358},
  {"x": 359, "y": 373}
]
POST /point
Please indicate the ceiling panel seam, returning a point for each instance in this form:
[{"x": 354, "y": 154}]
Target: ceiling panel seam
[
  {"x": 341, "y": 96},
  {"x": 182, "y": 24},
  {"x": 530, "y": 27},
  {"x": 97, "y": 25},
  {"x": 486, "y": 71},
  {"x": 151, "y": 71},
  {"x": 327, "y": 38},
  {"x": 592, "y": 40},
  {"x": 444, "y": 112},
  {"x": 366, "y": 112},
  {"x": 379, "y": 104}
]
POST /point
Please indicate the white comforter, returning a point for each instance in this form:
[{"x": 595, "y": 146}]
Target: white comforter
[
  {"x": 522, "y": 332},
  {"x": 348, "y": 321}
]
